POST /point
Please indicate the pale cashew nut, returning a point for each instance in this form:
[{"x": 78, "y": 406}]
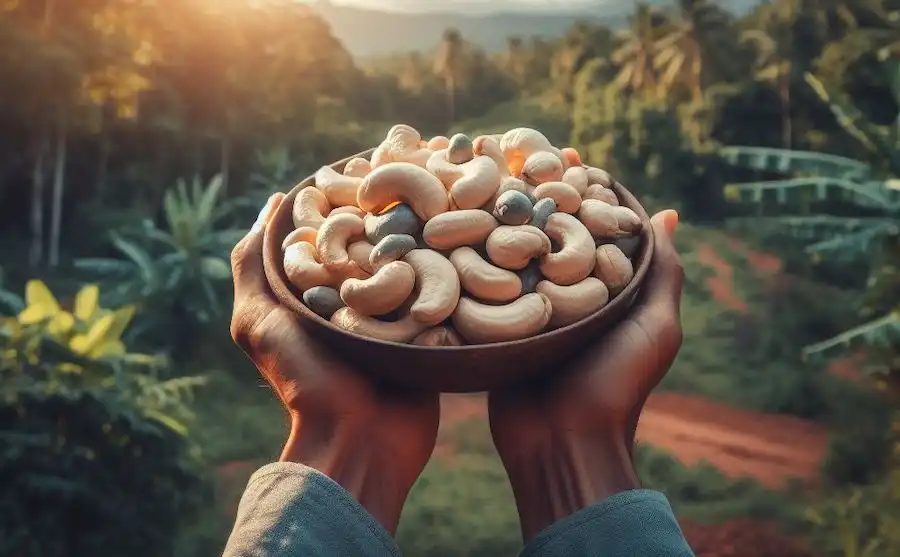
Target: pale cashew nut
[
  {"x": 599, "y": 218},
  {"x": 357, "y": 167},
  {"x": 571, "y": 156},
  {"x": 360, "y": 252},
  {"x": 439, "y": 336},
  {"x": 459, "y": 149},
  {"x": 334, "y": 235},
  {"x": 404, "y": 182},
  {"x": 381, "y": 293},
  {"x": 600, "y": 193},
  {"x": 576, "y": 258},
  {"x": 402, "y": 144},
  {"x": 304, "y": 271},
  {"x": 508, "y": 183},
  {"x": 613, "y": 268},
  {"x": 310, "y": 208},
  {"x": 577, "y": 177},
  {"x": 567, "y": 198},
  {"x": 490, "y": 146},
  {"x": 401, "y": 331},
  {"x": 541, "y": 167},
  {"x": 484, "y": 324},
  {"x": 351, "y": 209},
  {"x": 574, "y": 302},
  {"x": 477, "y": 185},
  {"x": 438, "y": 142},
  {"x": 391, "y": 248},
  {"x": 599, "y": 176},
  {"x": 302, "y": 234},
  {"x": 629, "y": 221},
  {"x": 437, "y": 286},
  {"x": 513, "y": 208},
  {"x": 520, "y": 143},
  {"x": 399, "y": 219},
  {"x": 512, "y": 247},
  {"x": 445, "y": 171},
  {"x": 542, "y": 211},
  {"x": 458, "y": 228},
  {"x": 323, "y": 301},
  {"x": 340, "y": 190},
  {"x": 483, "y": 280}
]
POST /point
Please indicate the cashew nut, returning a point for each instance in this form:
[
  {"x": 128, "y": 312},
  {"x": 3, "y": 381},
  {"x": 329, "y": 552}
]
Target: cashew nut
[
  {"x": 338, "y": 188},
  {"x": 613, "y": 268},
  {"x": 402, "y": 331},
  {"x": 508, "y": 183},
  {"x": 541, "y": 167},
  {"x": 483, "y": 324},
  {"x": 310, "y": 208},
  {"x": 629, "y": 221},
  {"x": 399, "y": 219},
  {"x": 512, "y": 247},
  {"x": 530, "y": 276},
  {"x": 302, "y": 234},
  {"x": 513, "y": 208},
  {"x": 490, "y": 146},
  {"x": 439, "y": 336},
  {"x": 599, "y": 176},
  {"x": 360, "y": 252},
  {"x": 357, "y": 167},
  {"x": 323, "y": 301},
  {"x": 404, "y": 182},
  {"x": 567, "y": 198},
  {"x": 577, "y": 177},
  {"x": 542, "y": 210},
  {"x": 459, "y": 149},
  {"x": 438, "y": 142},
  {"x": 574, "y": 302},
  {"x": 458, "y": 228},
  {"x": 351, "y": 209},
  {"x": 402, "y": 144},
  {"x": 576, "y": 258},
  {"x": 600, "y": 193},
  {"x": 334, "y": 235},
  {"x": 437, "y": 286},
  {"x": 479, "y": 182},
  {"x": 445, "y": 171},
  {"x": 599, "y": 218},
  {"x": 391, "y": 248},
  {"x": 520, "y": 143},
  {"x": 304, "y": 271},
  {"x": 571, "y": 156},
  {"x": 381, "y": 293},
  {"x": 483, "y": 280}
]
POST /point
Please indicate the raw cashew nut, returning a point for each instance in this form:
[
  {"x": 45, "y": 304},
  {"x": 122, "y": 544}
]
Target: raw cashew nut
[
  {"x": 483, "y": 280},
  {"x": 383, "y": 292},
  {"x": 613, "y": 268},
  {"x": 323, "y": 301},
  {"x": 459, "y": 149},
  {"x": 438, "y": 142},
  {"x": 439, "y": 164},
  {"x": 483, "y": 324},
  {"x": 302, "y": 234},
  {"x": 351, "y": 209},
  {"x": 399, "y": 219},
  {"x": 571, "y": 156},
  {"x": 310, "y": 208},
  {"x": 404, "y": 182},
  {"x": 530, "y": 277},
  {"x": 304, "y": 271},
  {"x": 391, "y": 248},
  {"x": 577, "y": 177},
  {"x": 360, "y": 253},
  {"x": 629, "y": 221},
  {"x": 402, "y": 144},
  {"x": 576, "y": 258},
  {"x": 439, "y": 336},
  {"x": 600, "y": 193},
  {"x": 520, "y": 143},
  {"x": 599, "y": 176},
  {"x": 490, "y": 146},
  {"x": 458, "y": 228},
  {"x": 599, "y": 218},
  {"x": 542, "y": 211},
  {"x": 357, "y": 167},
  {"x": 402, "y": 331},
  {"x": 512, "y": 247},
  {"x": 479, "y": 182},
  {"x": 574, "y": 302},
  {"x": 339, "y": 189},
  {"x": 541, "y": 167},
  {"x": 334, "y": 235},
  {"x": 437, "y": 286},
  {"x": 567, "y": 198},
  {"x": 513, "y": 208}
]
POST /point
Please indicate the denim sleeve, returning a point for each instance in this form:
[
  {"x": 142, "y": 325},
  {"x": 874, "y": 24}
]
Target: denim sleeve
[
  {"x": 293, "y": 510},
  {"x": 631, "y": 523}
]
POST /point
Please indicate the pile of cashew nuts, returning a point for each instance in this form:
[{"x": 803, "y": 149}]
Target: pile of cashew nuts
[{"x": 452, "y": 242}]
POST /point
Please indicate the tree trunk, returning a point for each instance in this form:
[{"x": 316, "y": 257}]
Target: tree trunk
[
  {"x": 36, "y": 253},
  {"x": 225, "y": 160},
  {"x": 58, "y": 186},
  {"x": 451, "y": 101},
  {"x": 784, "y": 94},
  {"x": 103, "y": 157}
]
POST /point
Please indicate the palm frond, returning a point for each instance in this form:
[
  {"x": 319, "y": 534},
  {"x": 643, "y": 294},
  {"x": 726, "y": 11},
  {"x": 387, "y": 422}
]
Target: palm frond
[
  {"x": 796, "y": 162},
  {"x": 884, "y": 330}
]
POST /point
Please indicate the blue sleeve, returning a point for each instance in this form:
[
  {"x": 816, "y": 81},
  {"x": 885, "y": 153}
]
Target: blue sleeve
[
  {"x": 293, "y": 510},
  {"x": 635, "y": 522}
]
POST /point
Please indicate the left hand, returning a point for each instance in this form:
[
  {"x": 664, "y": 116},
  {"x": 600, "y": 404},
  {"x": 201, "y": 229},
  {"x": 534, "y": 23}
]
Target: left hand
[{"x": 372, "y": 439}]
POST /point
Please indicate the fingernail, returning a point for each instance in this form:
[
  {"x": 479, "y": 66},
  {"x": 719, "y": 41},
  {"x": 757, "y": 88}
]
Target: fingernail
[
  {"x": 671, "y": 221},
  {"x": 263, "y": 215}
]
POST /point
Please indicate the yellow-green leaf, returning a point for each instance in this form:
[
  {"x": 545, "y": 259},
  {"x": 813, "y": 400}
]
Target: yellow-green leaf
[
  {"x": 167, "y": 421},
  {"x": 68, "y": 367},
  {"x": 37, "y": 294},
  {"x": 108, "y": 348},
  {"x": 61, "y": 324},
  {"x": 121, "y": 318},
  {"x": 96, "y": 335},
  {"x": 86, "y": 302}
]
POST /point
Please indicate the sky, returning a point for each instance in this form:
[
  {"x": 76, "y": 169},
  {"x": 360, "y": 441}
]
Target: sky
[{"x": 480, "y": 6}]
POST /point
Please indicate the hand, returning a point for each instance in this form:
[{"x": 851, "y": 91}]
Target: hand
[
  {"x": 371, "y": 439},
  {"x": 566, "y": 441}
]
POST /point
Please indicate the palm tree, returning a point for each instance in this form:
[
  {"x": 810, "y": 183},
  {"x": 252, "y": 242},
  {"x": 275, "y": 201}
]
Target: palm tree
[
  {"x": 447, "y": 66},
  {"x": 634, "y": 55},
  {"x": 515, "y": 60},
  {"x": 770, "y": 66}
]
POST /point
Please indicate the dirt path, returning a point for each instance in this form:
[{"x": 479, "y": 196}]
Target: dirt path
[{"x": 771, "y": 449}]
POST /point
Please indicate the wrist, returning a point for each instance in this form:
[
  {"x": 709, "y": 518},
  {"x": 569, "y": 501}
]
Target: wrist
[{"x": 566, "y": 474}]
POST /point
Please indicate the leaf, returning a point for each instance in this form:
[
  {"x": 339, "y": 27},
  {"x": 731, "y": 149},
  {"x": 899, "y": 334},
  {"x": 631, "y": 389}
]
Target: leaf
[
  {"x": 97, "y": 335},
  {"x": 215, "y": 268},
  {"x": 40, "y": 303},
  {"x": 61, "y": 324},
  {"x": 87, "y": 302},
  {"x": 121, "y": 318},
  {"x": 167, "y": 421},
  {"x": 139, "y": 256}
]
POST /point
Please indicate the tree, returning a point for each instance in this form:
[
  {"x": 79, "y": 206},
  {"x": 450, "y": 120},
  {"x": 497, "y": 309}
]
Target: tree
[
  {"x": 447, "y": 65},
  {"x": 634, "y": 54}
]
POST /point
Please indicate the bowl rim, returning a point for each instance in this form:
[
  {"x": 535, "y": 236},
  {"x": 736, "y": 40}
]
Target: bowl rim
[{"x": 626, "y": 297}]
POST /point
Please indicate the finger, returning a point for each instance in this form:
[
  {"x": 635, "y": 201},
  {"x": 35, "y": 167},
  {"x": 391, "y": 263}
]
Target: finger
[
  {"x": 246, "y": 258},
  {"x": 665, "y": 280}
]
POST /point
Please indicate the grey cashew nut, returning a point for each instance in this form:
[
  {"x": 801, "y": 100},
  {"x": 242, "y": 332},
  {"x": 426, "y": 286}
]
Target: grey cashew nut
[
  {"x": 339, "y": 189},
  {"x": 401, "y": 331},
  {"x": 530, "y": 277},
  {"x": 459, "y": 149},
  {"x": 613, "y": 268},
  {"x": 483, "y": 280},
  {"x": 484, "y": 324},
  {"x": 513, "y": 208},
  {"x": 508, "y": 183},
  {"x": 512, "y": 247},
  {"x": 399, "y": 219},
  {"x": 323, "y": 301},
  {"x": 391, "y": 248},
  {"x": 310, "y": 207},
  {"x": 465, "y": 227},
  {"x": 437, "y": 286},
  {"x": 381, "y": 293},
  {"x": 576, "y": 258},
  {"x": 542, "y": 211},
  {"x": 574, "y": 302},
  {"x": 406, "y": 183}
]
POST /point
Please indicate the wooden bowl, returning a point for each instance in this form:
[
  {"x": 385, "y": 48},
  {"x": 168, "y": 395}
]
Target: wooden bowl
[{"x": 455, "y": 369}]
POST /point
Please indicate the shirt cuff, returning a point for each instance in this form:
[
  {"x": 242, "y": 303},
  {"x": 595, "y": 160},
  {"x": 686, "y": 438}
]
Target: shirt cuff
[{"x": 633, "y": 522}]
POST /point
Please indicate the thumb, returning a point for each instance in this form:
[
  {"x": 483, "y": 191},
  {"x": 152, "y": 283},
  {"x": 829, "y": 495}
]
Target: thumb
[
  {"x": 246, "y": 258},
  {"x": 666, "y": 276}
]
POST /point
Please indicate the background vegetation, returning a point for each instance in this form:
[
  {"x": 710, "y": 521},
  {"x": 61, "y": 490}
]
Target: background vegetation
[{"x": 140, "y": 139}]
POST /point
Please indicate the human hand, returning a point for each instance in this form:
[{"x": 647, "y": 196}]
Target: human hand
[
  {"x": 566, "y": 440},
  {"x": 372, "y": 439}
]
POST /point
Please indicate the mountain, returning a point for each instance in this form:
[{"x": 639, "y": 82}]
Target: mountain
[{"x": 408, "y": 26}]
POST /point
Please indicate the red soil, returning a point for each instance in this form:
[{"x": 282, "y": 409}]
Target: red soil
[
  {"x": 721, "y": 285},
  {"x": 742, "y": 537}
]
